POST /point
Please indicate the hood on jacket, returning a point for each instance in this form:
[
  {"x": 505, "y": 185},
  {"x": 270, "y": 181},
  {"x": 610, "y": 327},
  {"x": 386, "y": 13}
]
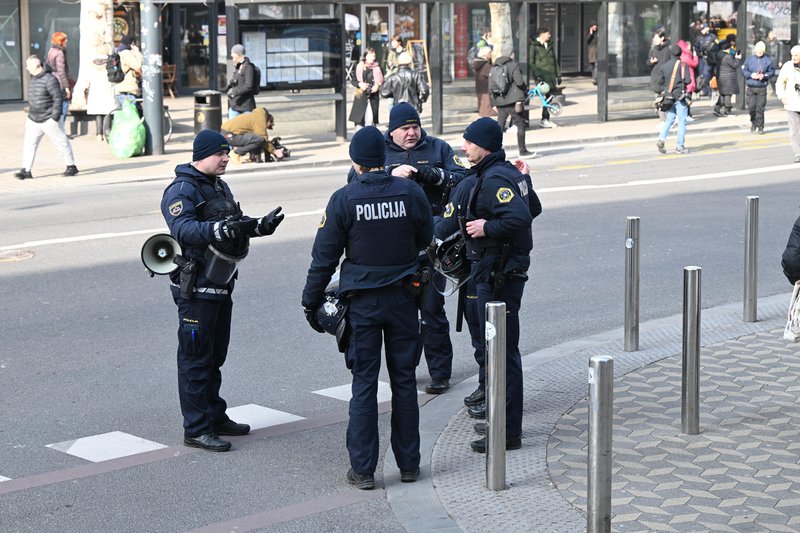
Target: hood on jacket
[
  {"x": 186, "y": 169},
  {"x": 502, "y": 60},
  {"x": 684, "y": 46},
  {"x": 675, "y": 50}
]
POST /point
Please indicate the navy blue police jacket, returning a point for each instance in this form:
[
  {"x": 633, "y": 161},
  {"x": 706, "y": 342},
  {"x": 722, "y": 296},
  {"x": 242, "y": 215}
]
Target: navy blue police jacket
[
  {"x": 429, "y": 151},
  {"x": 179, "y": 208},
  {"x": 380, "y": 222},
  {"x": 505, "y": 198}
]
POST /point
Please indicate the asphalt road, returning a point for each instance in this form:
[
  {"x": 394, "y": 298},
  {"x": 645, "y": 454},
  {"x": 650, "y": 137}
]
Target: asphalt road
[{"x": 88, "y": 339}]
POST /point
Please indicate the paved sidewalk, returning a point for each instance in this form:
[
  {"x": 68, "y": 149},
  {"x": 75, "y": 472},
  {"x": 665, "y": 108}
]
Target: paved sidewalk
[
  {"x": 741, "y": 473},
  {"x": 578, "y": 125}
]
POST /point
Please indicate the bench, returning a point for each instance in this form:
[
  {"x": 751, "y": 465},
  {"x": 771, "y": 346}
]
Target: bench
[{"x": 79, "y": 125}]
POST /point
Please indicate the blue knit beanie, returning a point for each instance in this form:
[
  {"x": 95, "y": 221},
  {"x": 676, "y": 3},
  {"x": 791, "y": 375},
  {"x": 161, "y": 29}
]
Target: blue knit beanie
[
  {"x": 486, "y": 133},
  {"x": 368, "y": 147},
  {"x": 401, "y": 115},
  {"x": 208, "y": 142}
]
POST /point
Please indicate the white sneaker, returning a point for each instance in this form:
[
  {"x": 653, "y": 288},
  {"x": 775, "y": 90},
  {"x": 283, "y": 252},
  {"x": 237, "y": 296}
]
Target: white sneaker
[{"x": 547, "y": 124}]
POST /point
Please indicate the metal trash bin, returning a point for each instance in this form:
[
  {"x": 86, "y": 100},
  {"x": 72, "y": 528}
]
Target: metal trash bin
[{"x": 207, "y": 111}]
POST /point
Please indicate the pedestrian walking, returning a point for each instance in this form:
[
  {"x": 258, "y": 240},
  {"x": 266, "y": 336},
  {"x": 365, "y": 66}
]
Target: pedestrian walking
[
  {"x": 368, "y": 81},
  {"x": 758, "y": 69},
  {"x": 788, "y": 89},
  {"x": 242, "y": 88},
  {"x": 544, "y": 67},
  {"x": 59, "y": 67},
  {"x": 482, "y": 66},
  {"x": 509, "y": 98},
  {"x": 704, "y": 44},
  {"x": 673, "y": 82},
  {"x": 500, "y": 210},
  {"x": 45, "y": 99},
  {"x": 214, "y": 235},
  {"x": 406, "y": 84},
  {"x": 728, "y": 62},
  {"x": 778, "y": 51},
  {"x": 383, "y": 222},
  {"x": 659, "y": 54},
  {"x": 591, "y": 49}
]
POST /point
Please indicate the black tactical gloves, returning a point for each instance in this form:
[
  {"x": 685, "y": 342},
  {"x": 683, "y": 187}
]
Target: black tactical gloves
[
  {"x": 267, "y": 224},
  {"x": 311, "y": 316},
  {"x": 432, "y": 176}
]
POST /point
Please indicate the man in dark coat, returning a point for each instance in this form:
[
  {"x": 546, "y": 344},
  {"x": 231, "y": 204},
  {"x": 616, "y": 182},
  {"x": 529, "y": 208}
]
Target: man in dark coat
[
  {"x": 242, "y": 87},
  {"x": 406, "y": 84},
  {"x": 659, "y": 54},
  {"x": 511, "y": 104}
]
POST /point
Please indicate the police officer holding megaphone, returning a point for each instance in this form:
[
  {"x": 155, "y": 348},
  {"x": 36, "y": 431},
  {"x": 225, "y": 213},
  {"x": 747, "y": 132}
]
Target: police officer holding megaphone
[{"x": 214, "y": 235}]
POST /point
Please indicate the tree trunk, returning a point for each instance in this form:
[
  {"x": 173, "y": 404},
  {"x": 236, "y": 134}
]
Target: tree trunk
[
  {"x": 97, "y": 41},
  {"x": 501, "y": 29}
]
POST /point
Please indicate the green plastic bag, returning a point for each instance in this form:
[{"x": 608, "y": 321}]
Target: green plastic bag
[{"x": 127, "y": 132}]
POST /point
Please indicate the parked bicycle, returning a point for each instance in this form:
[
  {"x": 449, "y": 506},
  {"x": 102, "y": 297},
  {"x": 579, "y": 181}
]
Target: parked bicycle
[
  {"x": 108, "y": 121},
  {"x": 542, "y": 91}
]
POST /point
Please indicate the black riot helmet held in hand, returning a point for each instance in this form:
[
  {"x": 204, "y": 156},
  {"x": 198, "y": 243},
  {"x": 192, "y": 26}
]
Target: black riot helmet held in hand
[
  {"x": 451, "y": 262},
  {"x": 223, "y": 257},
  {"x": 331, "y": 313}
]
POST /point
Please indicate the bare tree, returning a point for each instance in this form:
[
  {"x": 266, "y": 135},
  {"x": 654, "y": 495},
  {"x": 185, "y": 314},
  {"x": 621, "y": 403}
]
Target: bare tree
[{"x": 501, "y": 29}]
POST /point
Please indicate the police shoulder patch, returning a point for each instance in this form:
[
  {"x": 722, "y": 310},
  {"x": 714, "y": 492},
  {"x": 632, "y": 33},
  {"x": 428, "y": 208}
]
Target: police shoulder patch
[
  {"x": 448, "y": 211},
  {"x": 504, "y": 195},
  {"x": 458, "y": 161},
  {"x": 176, "y": 208},
  {"x": 324, "y": 219}
]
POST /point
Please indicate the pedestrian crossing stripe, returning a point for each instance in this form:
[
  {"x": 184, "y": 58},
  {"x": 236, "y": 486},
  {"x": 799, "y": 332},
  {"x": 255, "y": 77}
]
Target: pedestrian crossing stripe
[
  {"x": 257, "y": 416},
  {"x": 106, "y": 446},
  {"x": 344, "y": 392},
  {"x": 2, "y": 478}
]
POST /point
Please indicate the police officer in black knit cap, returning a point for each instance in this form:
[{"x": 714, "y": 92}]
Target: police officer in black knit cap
[
  {"x": 380, "y": 223},
  {"x": 499, "y": 211},
  {"x": 214, "y": 235},
  {"x": 413, "y": 154}
]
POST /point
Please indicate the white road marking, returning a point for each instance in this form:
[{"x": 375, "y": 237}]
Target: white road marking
[
  {"x": 4, "y": 479},
  {"x": 106, "y": 446},
  {"x": 344, "y": 392},
  {"x": 259, "y": 417}
]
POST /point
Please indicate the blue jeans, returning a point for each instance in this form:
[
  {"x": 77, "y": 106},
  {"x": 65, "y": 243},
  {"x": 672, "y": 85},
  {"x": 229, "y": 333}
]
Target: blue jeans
[
  {"x": 233, "y": 113},
  {"x": 681, "y": 110}
]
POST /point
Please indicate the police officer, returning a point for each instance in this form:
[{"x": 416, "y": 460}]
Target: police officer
[
  {"x": 202, "y": 216},
  {"x": 411, "y": 153},
  {"x": 499, "y": 212},
  {"x": 381, "y": 223}
]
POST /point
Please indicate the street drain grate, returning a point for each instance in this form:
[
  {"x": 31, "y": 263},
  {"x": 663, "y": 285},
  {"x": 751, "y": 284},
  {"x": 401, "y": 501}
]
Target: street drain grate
[{"x": 10, "y": 256}]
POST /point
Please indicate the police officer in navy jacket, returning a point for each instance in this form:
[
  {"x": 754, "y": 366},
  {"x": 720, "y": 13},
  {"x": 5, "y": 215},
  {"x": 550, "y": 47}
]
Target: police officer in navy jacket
[
  {"x": 380, "y": 223},
  {"x": 200, "y": 212},
  {"x": 500, "y": 209},
  {"x": 431, "y": 162}
]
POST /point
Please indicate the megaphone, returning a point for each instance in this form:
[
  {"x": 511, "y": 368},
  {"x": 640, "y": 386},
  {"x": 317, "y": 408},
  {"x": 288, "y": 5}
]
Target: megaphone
[{"x": 158, "y": 253}]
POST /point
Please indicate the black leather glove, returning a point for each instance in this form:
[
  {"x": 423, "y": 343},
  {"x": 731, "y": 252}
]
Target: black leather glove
[
  {"x": 311, "y": 316},
  {"x": 267, "y": 224},
  {"x": 234, "y": 228},
  {"x": 433, "y": 176}
]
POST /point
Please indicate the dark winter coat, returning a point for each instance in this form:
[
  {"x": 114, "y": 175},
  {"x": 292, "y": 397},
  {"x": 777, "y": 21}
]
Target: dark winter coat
[
  {"x": 591, "y": 48},
  {"x": 662, "y": 54},
  {"x": 791, "y": 256},
  {"x": 241, "y": 88},
  {"x": 681, "y": 81},
  {"x": 406, "y": 85},
  {"x": 482, "y": 68},
  {"x": 519, "y": 87},
  {"x": 755, "y": 64},
  {"x": 44, "y": 97},
  {"x": 543, "y": 63},
  {"x": 57, "y": 60},
  {"x": 728, "y": 76}
]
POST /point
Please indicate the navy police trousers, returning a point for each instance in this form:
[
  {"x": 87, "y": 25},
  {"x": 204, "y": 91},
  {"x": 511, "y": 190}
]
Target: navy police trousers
[
  {"x": 511, "y": 294},
  {"x": 203, "y": 334},
  {"x": 386, "y": 315}
]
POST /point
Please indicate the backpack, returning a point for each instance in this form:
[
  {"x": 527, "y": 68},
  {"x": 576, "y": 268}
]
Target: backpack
[
  {"x": 256, "y": 79},
  {"x": 114, "y": 68},
  {"x": 499, "y": 82}
]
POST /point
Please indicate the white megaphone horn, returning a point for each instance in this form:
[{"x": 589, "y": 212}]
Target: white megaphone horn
[{"x": 158, "y": 253}]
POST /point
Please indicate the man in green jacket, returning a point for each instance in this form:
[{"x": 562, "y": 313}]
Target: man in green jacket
[{"x": 544, "y": 67}]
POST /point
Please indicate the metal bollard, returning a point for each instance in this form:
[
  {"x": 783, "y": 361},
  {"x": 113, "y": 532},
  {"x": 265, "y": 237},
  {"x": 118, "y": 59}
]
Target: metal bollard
[
  {"x": 496, "y": 395},
  {"x": 690, "y": 376},
  {"x": 632, "y": 284},
  {"x": 750, "y": 259},
  {"x": 601, "y": 423}
]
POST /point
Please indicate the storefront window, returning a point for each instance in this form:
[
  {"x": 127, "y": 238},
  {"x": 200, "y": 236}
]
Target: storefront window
[
  {"x": 10, "y": 53},
  {"x": 274, "y": 11},
  {"x": 47, "y": 17},
  {"x": 630, "y": 32},
  {"x": 771, "y": 22},
  {"x": 194, "y": 46}
]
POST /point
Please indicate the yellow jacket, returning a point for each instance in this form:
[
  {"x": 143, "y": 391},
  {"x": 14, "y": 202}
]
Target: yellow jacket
[{"x": 253, "y": 122}]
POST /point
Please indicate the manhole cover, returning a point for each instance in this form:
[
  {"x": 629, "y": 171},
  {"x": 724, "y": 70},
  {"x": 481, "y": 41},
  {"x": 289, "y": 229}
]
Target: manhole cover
[{"x": 9, "y": 256}]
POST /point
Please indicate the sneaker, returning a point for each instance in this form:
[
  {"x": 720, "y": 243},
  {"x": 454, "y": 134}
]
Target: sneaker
[
  {"x": 409, "y": 476},
  {"x": 547, "y": 124},
  {"x": 23, "y": 174},
  {"x": 760, "y": 131},
  {"x": 527, "y": 153},
  {"x": 480, "y": 444},
  {"x": 717, "y": 113},
  {"x": 797, "y": 159},
  {"x": 72, "y": 170},
  {"x": 480, "y": 427},
  {"x": 689, "y": 119},
  {"x": 232, "y": 428},
  {"x": 660, "y": 146},
  {"x": 476, "y": 398},
  {"x": 681, "y": 150},
  {"x": 363, "y": 482},
  {"x": 477, "y": 411},
  {"x": 437, "y": 386},
  {"x": 752, "y": 128}
]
